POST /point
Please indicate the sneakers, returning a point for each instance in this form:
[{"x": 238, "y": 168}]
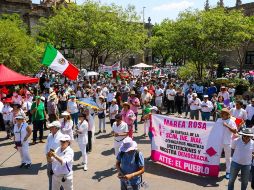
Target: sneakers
[
  {"x": 85, "y": 167},
  {"x": 227, "y": 176},
  {"x": 41, "y": 141},
  {"x": 22, "y": 165},
  {"x": 99, "y": 131}
]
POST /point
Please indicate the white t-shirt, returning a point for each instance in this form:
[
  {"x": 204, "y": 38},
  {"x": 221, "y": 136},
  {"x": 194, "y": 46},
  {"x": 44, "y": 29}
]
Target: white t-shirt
[
  {"x": 122, "y": 128},
  {"x": 20, "y": 133},
  {"x": 250, "y": 111},
  {"x": 227, "y": 134},
  {"x": 194, "y": 104},
  {"x": 158, "y": 92},
  {"x": 112, "y": 109},
  {"x": 241, "y": 113},
  {"x": 209, "y": 107},
  {"x": 7, "y": 113},
  {"x": 243, "y": 152},
  {"x": 53, "y": 142},
  {"x": 170, "y": 94}
]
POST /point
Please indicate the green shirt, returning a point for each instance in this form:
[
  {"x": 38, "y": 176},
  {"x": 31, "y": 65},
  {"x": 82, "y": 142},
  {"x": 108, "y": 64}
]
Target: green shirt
[
  {"x": 147, "y": 109},
  {"x": 39, "y": 114}
]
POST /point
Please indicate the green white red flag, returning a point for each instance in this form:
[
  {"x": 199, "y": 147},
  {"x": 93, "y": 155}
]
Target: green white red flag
[{"x": 55, "y": 60}]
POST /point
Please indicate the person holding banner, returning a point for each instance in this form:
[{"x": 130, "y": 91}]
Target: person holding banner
[
  {"x": 227, "y": 127},
  {"x": 244, "y": 148}
]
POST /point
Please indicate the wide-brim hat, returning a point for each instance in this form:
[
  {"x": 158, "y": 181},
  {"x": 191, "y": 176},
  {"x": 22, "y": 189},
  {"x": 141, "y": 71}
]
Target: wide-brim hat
[
  {"x": 206, "y": 96},
  {"x": 127, "y": 145},
  {"x": 72, "y": 96},
  {"x": 65, "y": 138},
  {"x": 56, "y": 124},
  {"x": 195, "y": 95},
  {"x": 126, "y": 104},
  {"x": 65, "y": 113},
  {"x": 19, "y": 117},
  {"x": 225, "y": 110},
  {"x": 132, "y": 92},
  {"x": 114, "y": 100},
  {"x": 102, "y": 97},
  {"x": 246, "y": 132}
]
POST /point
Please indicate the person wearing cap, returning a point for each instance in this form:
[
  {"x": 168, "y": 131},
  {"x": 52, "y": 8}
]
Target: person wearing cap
[
  {"x": 52, "y": 143},
  {"x": 206, "y": 108},
  {"x": 82, "y": 137},
  {"x": 120, "y": 132},
  {"x": 134, "y": 105},
  {"x": 130, "y": 165},
  {"x": 26, "y": 106},
  {"x": 101, "y": 114},
  {"x": 7, "y": 117},
  {"x": 72, "y": 108},
  {"x": 67, "y": 124},
  {"x": 62, "y": 161},
  {"x": 113, "y": 110},
  {"x": 21, "y": 134},
  {"x": 194, "y": 104},
  {"x": 250, "y": 114},
  {"x": 38, "y": 116},
  {"x": 239, "y": 113},
  {"x": 241, "y": 161},
  {"x": 170, "y": 94},
  {"x": 226, "y": 126},
  {"x": 128, "y": 117},
  {"x": 146, "y": 110},
  {"x": 223, "y": 92}
]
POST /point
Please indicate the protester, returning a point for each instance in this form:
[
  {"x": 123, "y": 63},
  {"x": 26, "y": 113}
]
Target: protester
[
  {"x": 146, "y": 110},
  {"x": 227, "y": 127},
  {"x": 91, "y": 129},
  {"x": 82, "y": 138},
  {"x": 21, "y": 134},
  {"x": 250, "y": 113},
  {"x": 128, "y": 117},
  {"x": 101, "y": 114},
  {"x": 7, "y": 117},
  {"x": 38, "y": 117},
  {"x": 170, "y": 93},
  {"x": 72, "y": 108},
  {"x": 53, "y": 142},
  {"x": 67, "y": 125},
  {"x": 62, "y": 161},
  {"x": 239, "y": 113},
  {"x": 206, "y": 108},
  {"x": 179, "y": 102},
  {"x": 195, "y": 104},
  {"x": 113, "y": 110},
  {"x": 129, "y": 171},
  {"x": 241, "y": 161},
  {"x": 158, "y": 96},
  {"x": 134, "y": 105},
  {"x": 120, "y": 132}
]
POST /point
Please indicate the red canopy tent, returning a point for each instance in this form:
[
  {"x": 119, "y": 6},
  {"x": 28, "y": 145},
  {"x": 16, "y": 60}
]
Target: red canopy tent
[{"x": 10, "y": 77}]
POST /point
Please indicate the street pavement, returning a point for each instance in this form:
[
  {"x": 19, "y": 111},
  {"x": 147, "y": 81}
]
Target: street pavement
[{"x": 100, "y": 174}]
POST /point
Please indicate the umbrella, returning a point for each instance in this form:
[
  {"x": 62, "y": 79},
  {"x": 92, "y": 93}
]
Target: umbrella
[
  {"x": 88, "y": 102},
  {"x": 226, "y": 69},
  {"x": 91, "y": 73},
  {"x": 142, "y": 65}
]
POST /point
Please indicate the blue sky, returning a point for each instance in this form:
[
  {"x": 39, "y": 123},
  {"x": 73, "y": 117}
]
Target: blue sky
[{"x": 161, "y": 9}]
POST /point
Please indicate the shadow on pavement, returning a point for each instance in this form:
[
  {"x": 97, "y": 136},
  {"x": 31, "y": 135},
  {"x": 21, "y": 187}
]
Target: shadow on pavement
[
  {"x": 9, "y": 188},
  {"x": 100, "y": 175},
  {"x": 104, "y": 136},
  {"x": 108, "y": 152},
  {"x": 141, "y": 140},
  {"x": 7, "y": 143},
  {"x": 160, "y": 170},
  {"x": 20, "y": 171}
]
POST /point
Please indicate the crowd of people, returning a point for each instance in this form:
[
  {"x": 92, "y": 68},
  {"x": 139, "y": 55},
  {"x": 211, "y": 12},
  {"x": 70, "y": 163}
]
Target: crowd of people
[{"x": 54, "y": 104}]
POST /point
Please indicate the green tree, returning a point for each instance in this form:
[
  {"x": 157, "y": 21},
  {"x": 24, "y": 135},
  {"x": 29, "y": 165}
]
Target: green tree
[{"x": 18, "y": 50}]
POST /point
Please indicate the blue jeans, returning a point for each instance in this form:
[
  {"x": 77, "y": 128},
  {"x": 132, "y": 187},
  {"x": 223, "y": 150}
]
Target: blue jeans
[
  {"x": 245, "y": 173},
  {"x": 74, "y": 117},
  {"x": 205, "y": 116}
]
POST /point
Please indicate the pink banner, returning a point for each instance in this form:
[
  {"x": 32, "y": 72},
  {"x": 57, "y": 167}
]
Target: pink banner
[
  {"x": 188, "y": 145},
  {"x": 185, "y": 165}
]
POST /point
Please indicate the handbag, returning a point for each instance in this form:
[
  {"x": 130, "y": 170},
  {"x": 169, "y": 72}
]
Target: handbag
[{"x": 101, "y": 115}]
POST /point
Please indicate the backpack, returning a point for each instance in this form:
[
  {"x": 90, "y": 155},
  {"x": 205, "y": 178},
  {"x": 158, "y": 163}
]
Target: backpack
[{"x": 136, "y": 156}]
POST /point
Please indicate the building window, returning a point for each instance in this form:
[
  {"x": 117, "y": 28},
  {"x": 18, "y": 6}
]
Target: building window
[{"x": 249, "y": 58}]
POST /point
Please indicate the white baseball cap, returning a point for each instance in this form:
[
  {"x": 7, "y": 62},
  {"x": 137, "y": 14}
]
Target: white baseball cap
[{"x": 56, "y": 124}]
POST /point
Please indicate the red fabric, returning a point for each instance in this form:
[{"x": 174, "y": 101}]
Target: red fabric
[
  {"x": 10, "y": 77},
  {"x": 114, "y": 73},
  {"x": 71, "y": 72}
]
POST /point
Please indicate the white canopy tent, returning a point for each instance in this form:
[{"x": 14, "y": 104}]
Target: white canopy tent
[{"x": 142, "y": 65}]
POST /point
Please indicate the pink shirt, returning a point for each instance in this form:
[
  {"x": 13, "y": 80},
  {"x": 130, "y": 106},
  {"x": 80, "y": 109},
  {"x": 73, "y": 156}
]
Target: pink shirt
[
  {"x": 134, "y": 101},
  {"x": 128, "y": 116}
]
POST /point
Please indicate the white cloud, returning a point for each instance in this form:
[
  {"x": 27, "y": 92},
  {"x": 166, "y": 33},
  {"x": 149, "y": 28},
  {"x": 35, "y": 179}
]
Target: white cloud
[{"x": 182, "y": 5}]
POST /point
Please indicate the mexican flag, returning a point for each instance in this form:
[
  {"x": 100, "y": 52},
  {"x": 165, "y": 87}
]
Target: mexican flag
[{"x": 55, "y": 60}]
